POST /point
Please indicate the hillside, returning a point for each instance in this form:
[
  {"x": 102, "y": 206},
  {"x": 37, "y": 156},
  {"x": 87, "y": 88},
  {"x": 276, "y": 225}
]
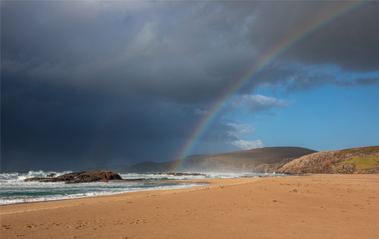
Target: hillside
[
  {"x": 267, "y": 159},
  {"x": 347, "y": 161}
]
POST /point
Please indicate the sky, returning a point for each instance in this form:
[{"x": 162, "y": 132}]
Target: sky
[{"x": 94, "y": 83}]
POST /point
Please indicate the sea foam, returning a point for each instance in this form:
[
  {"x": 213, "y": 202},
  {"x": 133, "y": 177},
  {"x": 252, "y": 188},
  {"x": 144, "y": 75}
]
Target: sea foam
[{"x": 15, "y": 190}]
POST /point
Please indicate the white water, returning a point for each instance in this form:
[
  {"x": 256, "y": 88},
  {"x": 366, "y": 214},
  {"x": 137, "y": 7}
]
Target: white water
[{"x": 15, "y": 190}]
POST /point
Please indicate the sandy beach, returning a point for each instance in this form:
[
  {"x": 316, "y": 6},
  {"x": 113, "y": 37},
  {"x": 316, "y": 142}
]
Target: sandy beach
[{"x": 316, "y": 206}]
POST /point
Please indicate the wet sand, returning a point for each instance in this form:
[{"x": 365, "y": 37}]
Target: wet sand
[{"x": 317, "y": 206}]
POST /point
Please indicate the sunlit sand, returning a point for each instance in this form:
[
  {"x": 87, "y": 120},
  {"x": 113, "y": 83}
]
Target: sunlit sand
[{"x": 317, "y": 206}]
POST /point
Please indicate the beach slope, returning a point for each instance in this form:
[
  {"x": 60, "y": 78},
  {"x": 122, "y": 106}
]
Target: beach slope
[{"x": 316, "y": 206}]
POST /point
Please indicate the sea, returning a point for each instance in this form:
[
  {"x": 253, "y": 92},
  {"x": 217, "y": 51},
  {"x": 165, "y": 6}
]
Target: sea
[{"x": 14, "y": 190}]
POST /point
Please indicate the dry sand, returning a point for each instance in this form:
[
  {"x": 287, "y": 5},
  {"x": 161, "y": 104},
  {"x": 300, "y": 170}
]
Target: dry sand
[{"x": 317, "y": 206}]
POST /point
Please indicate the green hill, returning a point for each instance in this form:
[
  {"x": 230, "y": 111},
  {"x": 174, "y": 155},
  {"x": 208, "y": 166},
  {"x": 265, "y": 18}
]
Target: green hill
[{"x": 347, "y": 161}]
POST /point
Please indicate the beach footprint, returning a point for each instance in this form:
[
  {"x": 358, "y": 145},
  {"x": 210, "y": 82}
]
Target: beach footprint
[
  {"x": 6, "y": 227},
  {"x": 139, "y": 221},
  {"x": 30, "y": 226}
]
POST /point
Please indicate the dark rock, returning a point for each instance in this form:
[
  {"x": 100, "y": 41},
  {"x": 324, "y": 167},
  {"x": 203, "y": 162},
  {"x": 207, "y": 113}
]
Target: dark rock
[
  {"x": 51, "y": 175},
  {"x": 80, "y": 177},
  {"x": 32, "y": 179}
]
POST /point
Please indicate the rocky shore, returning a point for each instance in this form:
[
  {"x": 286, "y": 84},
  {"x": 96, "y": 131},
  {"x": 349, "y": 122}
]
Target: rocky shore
[{"x": 82, "y": 177}]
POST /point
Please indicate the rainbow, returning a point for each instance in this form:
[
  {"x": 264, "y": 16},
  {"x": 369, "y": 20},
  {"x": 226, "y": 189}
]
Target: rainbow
[{"x": 283, "y": 46}]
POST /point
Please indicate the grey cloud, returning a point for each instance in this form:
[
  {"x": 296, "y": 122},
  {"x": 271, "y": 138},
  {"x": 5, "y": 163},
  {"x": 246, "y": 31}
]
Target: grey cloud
[
  {"x": 181, "y": 51},
  {"x": 241, "y": 130},
  {"x": 349, "y": 42},
  {"x": 299, "y": 78},
  {"x": 256, "y": 103},
  {"x": 306, "y": 80},
  {"x": 128, "y": 48},
  {"x": 102, "y": 81},
  {"x": 46, "y": 128},
  {"x": 371, "y": 81}
]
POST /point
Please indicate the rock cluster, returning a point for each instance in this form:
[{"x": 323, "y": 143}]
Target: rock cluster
[{"x": 80, "y": 177}]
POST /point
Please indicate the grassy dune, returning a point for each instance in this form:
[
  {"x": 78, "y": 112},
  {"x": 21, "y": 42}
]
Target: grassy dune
[
  {"x": 363, "y": 163},
  {"x": 347, "y": 161}
]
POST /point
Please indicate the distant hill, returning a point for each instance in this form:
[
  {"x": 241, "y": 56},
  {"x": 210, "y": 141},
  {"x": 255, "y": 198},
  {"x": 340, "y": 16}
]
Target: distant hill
[
  {"x": 346, "y": 161},
  {"x": 114, "y": 168},
  {"x": 271, "y": 158},
  {"x": 288, "y": 160}
]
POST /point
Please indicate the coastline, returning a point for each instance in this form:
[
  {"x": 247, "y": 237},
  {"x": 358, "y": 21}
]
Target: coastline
[
  {"x": 327, "y": 206},
  {"x": 42, "y": 205},
  {"x": 180, "y": 182}
]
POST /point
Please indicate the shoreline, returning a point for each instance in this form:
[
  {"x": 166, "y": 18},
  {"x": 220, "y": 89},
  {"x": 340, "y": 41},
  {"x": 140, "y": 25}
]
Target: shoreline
[
  {"x": 327, "y": 206},
  {"x": 5, "y": 209},
  {"x": 162, "y": 181}
]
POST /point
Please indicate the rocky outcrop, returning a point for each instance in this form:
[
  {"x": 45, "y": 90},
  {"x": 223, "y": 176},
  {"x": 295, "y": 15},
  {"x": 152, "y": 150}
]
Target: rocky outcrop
[
  {"x": 271, "y": 168},
  {"x": 80, "y": 177},
  {"x": 335, "y": 162}
]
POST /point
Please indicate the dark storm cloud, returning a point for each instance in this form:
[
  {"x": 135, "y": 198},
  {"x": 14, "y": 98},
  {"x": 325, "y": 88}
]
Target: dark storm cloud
[
  {"x": 349, "y": 42},
  {"x": 128, "y": 48},
  {"x": 121, "y": 82},
  {"x": 181, "y": 51},
  {"x": 77, "y": 129},
  {"x": 49, "y": 128}
]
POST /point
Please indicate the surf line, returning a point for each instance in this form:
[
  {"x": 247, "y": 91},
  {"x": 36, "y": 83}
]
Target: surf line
[{"x": 286, "y": 44}]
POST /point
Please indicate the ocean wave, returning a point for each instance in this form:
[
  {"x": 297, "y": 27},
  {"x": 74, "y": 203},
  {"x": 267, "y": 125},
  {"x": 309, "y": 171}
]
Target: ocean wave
[
  {"x": 35, "y": 195},
  {"x": 15, "y": 190},
  {"x": 16, "y": 176}
]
